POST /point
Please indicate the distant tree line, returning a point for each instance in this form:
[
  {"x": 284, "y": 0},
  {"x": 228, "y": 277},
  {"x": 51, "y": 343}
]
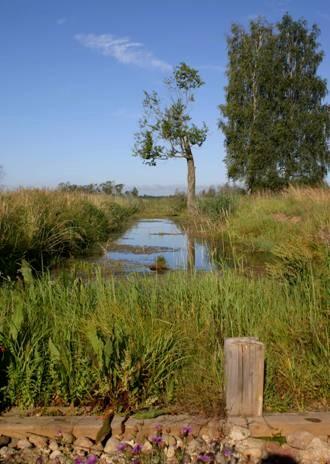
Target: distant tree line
[{"x": 108, "y": 188}]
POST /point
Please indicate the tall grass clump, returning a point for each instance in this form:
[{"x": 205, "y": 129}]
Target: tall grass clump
[
  {"x": 142, "y": 342},
  {"x": 40, "y": 226},
  {"x": 289, "y": 231},
  {"x": 219, "y": 205}
]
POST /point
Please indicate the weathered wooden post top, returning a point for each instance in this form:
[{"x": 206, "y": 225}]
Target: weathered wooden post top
[{"x": 244, "y": 376}]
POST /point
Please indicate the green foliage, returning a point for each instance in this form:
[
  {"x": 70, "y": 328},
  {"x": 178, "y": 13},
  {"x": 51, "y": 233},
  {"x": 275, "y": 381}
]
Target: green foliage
[
  {"x": 168, "y": 131},
  {"x": 289, "y": 231},
  {"x": 275, "y": 123},
  {"x": 218, "y": 206},
  {"x": 139, "y": 342},
  {"x": 41, "y": 226}
]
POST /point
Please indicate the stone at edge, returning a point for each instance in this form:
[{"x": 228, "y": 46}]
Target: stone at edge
[
  {"x": 111, "y": 445},
  {"x": 88, "y": 427},
  {"x": 23, "y": 444},
  {"x": 83, "y": 444},
  {"x": 299, "y": 439},
  {"x": 55, "y": 454},
  {"x": 38, "y": 442},
  {"x": 238, "y": 433}
]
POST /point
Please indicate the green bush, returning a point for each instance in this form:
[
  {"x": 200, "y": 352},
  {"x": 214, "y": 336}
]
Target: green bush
[{"x": 219, "y": 206}]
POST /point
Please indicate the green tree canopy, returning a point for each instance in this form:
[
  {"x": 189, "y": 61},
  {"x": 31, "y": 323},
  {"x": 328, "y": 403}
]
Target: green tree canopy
[
  {"x": 275, "y": 121},
  {"x": 167, "y": 131}
]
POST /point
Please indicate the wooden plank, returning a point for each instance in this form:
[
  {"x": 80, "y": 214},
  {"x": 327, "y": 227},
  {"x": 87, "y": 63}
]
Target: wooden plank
[{"x": 244, "y": 376}]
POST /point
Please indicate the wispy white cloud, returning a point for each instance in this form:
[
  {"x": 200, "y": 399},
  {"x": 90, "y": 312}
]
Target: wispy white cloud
[
  {"x": 61, "y": 21},
  {"x": 123, "y": 50}
]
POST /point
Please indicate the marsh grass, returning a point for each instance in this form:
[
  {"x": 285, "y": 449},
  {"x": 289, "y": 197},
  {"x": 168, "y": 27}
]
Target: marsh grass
[
  {"x": 41, "y": 226},
  {"x": 289, "y": 232},
  {"x": 141, "y": 342}
]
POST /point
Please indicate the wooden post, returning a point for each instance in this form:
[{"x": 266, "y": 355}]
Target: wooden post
[{"x": 244, "y": 376}]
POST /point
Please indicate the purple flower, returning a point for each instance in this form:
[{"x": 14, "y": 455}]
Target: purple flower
[
  {"x": 157, "y": 440},
  {"x": 59, "y": 433},
  {"x": 79, "y": 460},
  {"x": 158, "y": 427},
  {"x": 204, "y": 458},
  {"x": 227, "y": 452},
  {"x": 121, "y": 447},
  {"x": 92, "y": 459},
  {"x": 137, "y": 448},
  {"x": 186, "y": 430}
]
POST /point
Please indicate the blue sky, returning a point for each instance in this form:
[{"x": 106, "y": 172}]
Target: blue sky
[{"x": 73, "y": 74}]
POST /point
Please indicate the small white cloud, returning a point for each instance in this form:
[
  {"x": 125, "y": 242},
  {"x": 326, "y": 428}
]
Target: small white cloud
[
  {"x": 123, "y": 50},
  {"x": 61, "y": 21}
]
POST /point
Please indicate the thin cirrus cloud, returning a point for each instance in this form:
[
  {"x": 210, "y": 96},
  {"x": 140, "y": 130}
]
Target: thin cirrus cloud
[{"x": 123, "y": 50}]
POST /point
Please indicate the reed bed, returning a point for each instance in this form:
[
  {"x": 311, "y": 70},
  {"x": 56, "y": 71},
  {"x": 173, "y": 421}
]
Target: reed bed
[
  {"x": 42, "y": 226},
  {"x": 288, "y": 232},
  {"x": 141, "y": 342}
]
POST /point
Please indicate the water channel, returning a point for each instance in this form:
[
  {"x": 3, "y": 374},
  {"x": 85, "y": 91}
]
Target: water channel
[{"x": 148, "y": 239}]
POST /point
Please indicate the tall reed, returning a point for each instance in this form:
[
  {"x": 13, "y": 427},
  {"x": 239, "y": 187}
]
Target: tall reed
[
  {"x": 146, "y": 342},
  {"x": 40, "y": 226}
]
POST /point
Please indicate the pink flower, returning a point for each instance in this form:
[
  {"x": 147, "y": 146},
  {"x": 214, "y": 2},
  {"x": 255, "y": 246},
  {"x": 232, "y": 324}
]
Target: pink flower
[
  {"x": 92, "y": 459},
  {"x": 186, "y": 430}
]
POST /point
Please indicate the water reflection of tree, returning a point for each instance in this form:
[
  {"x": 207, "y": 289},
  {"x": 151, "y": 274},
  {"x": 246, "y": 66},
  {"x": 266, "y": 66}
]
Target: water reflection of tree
[{"x": 191, "y": 252}]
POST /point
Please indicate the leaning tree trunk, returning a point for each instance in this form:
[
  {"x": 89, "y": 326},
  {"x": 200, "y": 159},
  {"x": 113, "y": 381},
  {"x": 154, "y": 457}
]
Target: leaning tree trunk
[{"x": 191, "y": 181}]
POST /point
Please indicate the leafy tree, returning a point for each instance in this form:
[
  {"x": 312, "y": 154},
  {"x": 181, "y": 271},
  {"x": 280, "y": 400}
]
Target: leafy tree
[
  {"x": 275, "y": 123},
  {"x": 107, "y": 187},
  {"x": 119, "y": 189},
  {"x": 134, "y": 192},
  {"x": 166, "y": 131}
]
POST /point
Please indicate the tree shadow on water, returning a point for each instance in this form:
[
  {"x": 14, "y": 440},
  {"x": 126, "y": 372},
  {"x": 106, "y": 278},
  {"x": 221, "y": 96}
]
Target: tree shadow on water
[{"x": 278, "y": 459}]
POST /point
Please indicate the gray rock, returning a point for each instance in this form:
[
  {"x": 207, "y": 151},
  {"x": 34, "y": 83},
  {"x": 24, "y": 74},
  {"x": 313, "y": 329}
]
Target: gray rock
[
  {"x": 23, "y": 444},
  {"x": 220, "y": 459},
  {"x": 111, "y": 445},
  {"x": 53, "y": 445},
  {"x": 195, "y": 447},
  {"x": 83, "y": 444},
  {"x": 55, "y": 454},
  {"x": 147, "y": 447},
  {"x": 38, "y": 442},
  {"x": 299, "y": 440},
  {"x": 170, "y": 452},
  {"x": 67, "y": 438},
  {"x": 238, "y": 433},
  {"x": 3, "y": 451}
]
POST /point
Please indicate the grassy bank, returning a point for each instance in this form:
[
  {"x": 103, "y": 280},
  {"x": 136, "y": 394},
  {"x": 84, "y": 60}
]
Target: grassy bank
[
  {"x": 288, "y": 231},
  {"x": 41, "y": 226},
  {"x": 145, "y": 342}
]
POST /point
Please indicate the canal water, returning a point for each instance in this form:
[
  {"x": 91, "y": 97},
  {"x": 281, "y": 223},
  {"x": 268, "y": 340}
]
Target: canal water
[{"x": 140, "y": 246}]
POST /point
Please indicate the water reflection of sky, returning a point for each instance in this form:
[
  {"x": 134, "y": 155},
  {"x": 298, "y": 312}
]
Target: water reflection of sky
[{"x": 160, "y": 233}]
